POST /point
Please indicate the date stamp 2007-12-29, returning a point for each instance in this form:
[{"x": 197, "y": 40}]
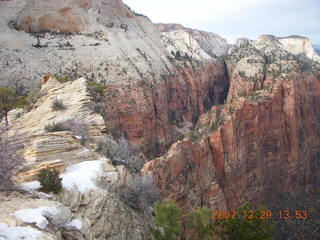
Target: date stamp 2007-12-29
[{"x": 260, "y": 214}]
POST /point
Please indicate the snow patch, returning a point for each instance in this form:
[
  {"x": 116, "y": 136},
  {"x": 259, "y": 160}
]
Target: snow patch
[
  {"x": 31, "y": 185},
  {"x": 18, "y": 233},
  {"x": 76, "y": 223},
  {"x": 35, "y": 215},
  {"x": 82, "y": 175}
]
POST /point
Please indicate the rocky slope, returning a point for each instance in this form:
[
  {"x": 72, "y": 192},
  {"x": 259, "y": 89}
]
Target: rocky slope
[
  {"x": 262, "y": 142},
  {"x": 87, "y": 208},
  {"x": 246, "y": 115},
  {"x": 41, "y": 148},
  {"x": 123, "y": 51}
]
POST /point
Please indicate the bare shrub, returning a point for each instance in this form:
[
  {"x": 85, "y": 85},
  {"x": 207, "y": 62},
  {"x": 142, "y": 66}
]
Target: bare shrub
[
  {"x": 10, "y": 157},
  {"x": 120, "y": 153},
  {"x": 57, "y": 105},
  {"x": 140, "y": 194},
  {"x": 79, "y": 129},
  {"x": 57, "y": 127}
]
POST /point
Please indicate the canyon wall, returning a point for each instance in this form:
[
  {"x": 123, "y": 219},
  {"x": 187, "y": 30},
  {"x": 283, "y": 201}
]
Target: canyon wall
[
  {"x": 262, "y": 142},
  {"x": 243, "y": 119},
  {"x": 153, "y": 116}
]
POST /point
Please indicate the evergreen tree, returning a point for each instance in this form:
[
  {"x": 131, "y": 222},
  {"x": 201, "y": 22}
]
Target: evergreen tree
[
  {"x": 8, "y": 100},
  {"x": 168, "y": 221},
  {"x": 247, "y": 224},
  {"x": 200, "y": 221}
]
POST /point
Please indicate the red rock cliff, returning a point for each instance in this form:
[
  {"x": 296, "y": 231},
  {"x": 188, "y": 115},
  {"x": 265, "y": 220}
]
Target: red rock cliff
[
  {"x": 153, "y": 115},
  {"x": 263, "y": 142}
]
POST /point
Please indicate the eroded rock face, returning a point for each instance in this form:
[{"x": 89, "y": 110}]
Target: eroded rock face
[
  {"x": 56, "y": 149},
  {"x": 58, "y": 16},
  {"x": 91, "y": 215},
  {"x": 196, "y": 43},
  {"x": 107, "y": 216},
  {"x": 264, "y": 141},
  {"x": 300, "y": 45},
  {"x": 187, "y": 174},
  {"x": 150, "y": 116}
]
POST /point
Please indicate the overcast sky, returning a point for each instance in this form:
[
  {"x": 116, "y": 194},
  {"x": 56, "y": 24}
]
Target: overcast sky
[{"x": 232, "y": 19}]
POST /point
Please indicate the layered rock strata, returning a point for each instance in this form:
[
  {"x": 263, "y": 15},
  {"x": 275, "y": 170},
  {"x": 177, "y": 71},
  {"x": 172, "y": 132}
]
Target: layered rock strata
[{"x": 264, "y": 141}]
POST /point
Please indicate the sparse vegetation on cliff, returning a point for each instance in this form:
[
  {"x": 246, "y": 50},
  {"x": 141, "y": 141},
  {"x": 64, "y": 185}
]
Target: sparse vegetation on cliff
[
  {"x": 79, "y": 129},
  {"x": 168, "y": 217},
  {"x": 8, "y": 100},
  {"x": 120, "y": 152},
  {"x": 58, "y": 105},
  {"x": 200, "y": 221},
  {"x": 57, "y": 127},
  {"x": 95, "y": 87},
  {"x": 10, "y": 157},
  {"x": 140, "y": 194},
  {"x": 247, "y": 223},
  {"x": 50, "y": 181},
  {"x": 64, "y": 79}
]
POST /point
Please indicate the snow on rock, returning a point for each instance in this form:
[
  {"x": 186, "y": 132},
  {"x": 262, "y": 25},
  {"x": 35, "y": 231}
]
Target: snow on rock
[
  {"x": 36, "y": 215},
  {"x": 30, "y": 185},
  {"x": 82, "y": 175},
  {"x": 76, "y": 223},
  {"x": 18, "y": 233}
]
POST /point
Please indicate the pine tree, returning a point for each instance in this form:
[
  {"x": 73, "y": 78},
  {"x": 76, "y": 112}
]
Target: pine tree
[
  {"x": 168, "y": 221},
  {"x": 8, "y": 100},
  {"x": 248, "y": 224},
  {"x": 200, "y": 221}
]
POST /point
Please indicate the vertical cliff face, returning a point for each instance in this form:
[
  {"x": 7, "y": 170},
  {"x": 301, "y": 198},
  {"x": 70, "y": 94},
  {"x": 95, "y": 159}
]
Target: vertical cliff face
[
  {"x": 264, "y": 141},
  {"x": 193, "y": 42},
  {"x": 299, "y": 45},
  {"x": 153, "y": 115}
]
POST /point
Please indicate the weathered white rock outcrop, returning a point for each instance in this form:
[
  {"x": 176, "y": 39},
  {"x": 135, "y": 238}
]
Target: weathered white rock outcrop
[
  {"x": 56, "y": 149},
  {"x": 198, "y": 44},
  {"x": 115, "y": 47},
  {"x": 95, "y": 214},
  {"x": 87, "y": 208},
  {"x": 299, "y": 45}
]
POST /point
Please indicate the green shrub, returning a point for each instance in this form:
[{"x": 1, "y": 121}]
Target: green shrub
[
  {"x": 242, "y": 74},
  {"x": 64, "y": 79},
  {"x": 200, "y": 221},
  {"x": 168, "y": 216},
  {"x": 57, "y": 127},
  {"x": 143, "y": 82},
  {"x": 96, "y": 87},
  {"x": 50, "y": 181},
  {"x": 8, "y": 100},
  {"x": 22, "y": 102},
  {"x": 242, "y": 94},
  {"x": 57, "y": 105},
  {"x": 248, "y": 223},
  {"x": 193, "y": 136},
  {"x": 19, "y": 115}
]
